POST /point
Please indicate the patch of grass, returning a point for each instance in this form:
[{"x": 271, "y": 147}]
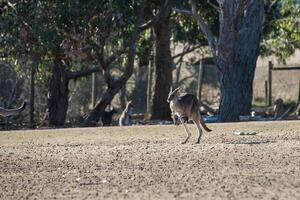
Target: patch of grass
[{"x": 259, "y": 102}]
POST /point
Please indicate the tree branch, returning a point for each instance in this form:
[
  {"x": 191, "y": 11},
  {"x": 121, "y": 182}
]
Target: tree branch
[
  {"x": 204, "y": 28},
  {"x": 104, "y": 63},
  {"x": 213, "y": 5},
  {"x": 8, "y": 4},
  {"x": 187, "y": 12},
  {"x": 114, "y": 56},
  {"x": 156, "y": 18},
  {"x": 186, "y": 51},
  {"x": 105, "y": 69},
  {"x": 82, "y": 73}
]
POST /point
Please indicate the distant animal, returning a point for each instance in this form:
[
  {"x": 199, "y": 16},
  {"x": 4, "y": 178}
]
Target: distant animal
[
  {"x": 278, "y": 108},
  {"x": 186, "y": 106},
  {"x": 107, "y": 117},
  {"x": 125, "y": 118},
  {"x": 12, "y": 112}
]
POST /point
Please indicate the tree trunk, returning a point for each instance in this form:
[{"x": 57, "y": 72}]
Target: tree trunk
[
  {"x": 99, "y": 109},
  {"x": 94, "y": 94},
  {"x": 238, "y": 51},
  {"x": 149, "y": 85},
  {"x": 32, "y": 93},
  {"x": 123, "y": 97},
  {"x": 236, "y": 92},
  {"x": 235, "y": 52},
  {"x": 58, "y": 94},
  {"x": 163, "y": 68}
]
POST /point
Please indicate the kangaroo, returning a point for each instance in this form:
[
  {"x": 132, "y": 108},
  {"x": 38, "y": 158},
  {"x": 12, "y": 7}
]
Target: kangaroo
[
  {"x": 125, "y": 119},
  {"x": 10, "y": 112},
  {"x": 107, "y": 117},
  {"x": 278, "y": 108},
  {"x": 186, "y": 106}
]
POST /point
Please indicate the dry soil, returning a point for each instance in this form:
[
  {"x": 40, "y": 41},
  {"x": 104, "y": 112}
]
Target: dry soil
[{"x": 148, "y": 162}]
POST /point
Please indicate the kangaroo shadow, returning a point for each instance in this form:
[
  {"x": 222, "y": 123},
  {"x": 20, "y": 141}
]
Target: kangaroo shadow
[{"x": 251, "y": 142}]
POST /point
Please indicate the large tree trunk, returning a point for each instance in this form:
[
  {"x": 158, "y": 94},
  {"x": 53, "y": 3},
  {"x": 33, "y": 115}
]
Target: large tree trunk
[
  {"x": 58, "y": 94},
  {"x": 235, "y": 52},
  {"x": 98, "y": 110},
  {"x": 239, "y": 48},
  {"x": 163, "y": 68}
]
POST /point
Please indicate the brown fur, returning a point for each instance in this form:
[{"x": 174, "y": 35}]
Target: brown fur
[{"x": 186, "y": 106}]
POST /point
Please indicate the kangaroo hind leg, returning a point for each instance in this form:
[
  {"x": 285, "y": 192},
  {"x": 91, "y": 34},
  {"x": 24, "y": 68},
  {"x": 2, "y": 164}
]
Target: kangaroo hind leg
[
  {"x": 196, "y": 120},
  {"x": 186, "y": 130}
]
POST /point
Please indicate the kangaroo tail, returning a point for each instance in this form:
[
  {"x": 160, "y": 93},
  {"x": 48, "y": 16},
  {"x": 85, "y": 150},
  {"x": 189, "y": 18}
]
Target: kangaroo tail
[{"x": 203, "y": 123}]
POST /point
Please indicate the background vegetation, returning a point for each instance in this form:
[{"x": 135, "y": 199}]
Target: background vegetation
[{"x": 135, "y": 49}]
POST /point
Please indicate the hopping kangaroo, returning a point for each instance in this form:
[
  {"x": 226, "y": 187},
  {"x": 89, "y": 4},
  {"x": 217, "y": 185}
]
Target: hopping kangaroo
[
  {"x": 10, "y": 112},
  {"x": 125, "y": 119},
  {"x": 186, "y": 106}
]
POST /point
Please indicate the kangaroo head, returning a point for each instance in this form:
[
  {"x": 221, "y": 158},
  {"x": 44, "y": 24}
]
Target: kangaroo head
[{"x": 172, "y": 94}]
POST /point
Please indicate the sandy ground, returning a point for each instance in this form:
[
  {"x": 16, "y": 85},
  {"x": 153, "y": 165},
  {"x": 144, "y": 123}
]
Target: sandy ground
[{"x": 147, "y": 162}]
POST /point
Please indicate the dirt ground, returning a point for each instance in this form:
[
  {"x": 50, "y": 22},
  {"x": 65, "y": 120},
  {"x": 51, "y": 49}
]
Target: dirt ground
[{"x": 147, "y": 162}]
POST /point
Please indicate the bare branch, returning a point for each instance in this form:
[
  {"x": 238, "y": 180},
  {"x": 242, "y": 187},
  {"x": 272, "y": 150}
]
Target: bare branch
[
  {"x": 105, "y": 63},
  {"x": 8, "y": 4},
  {"x": 204, "y": 28},
  {"x": 220, "y": 2},
  {"x": 186, "y": 51},
  {"x": 181, "y": 82},
  {"x": 105, "y": 69},
  {"x": 213, "y": 5},
  {"x": 115, "y": 56},
  {"x": 187, "y": 12},
  {"x": 83, "y": 72}
]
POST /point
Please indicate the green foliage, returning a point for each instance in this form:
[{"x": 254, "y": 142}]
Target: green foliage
[
  {"x": 185, "y": 29},
  {"x": 282, "y": 29}
]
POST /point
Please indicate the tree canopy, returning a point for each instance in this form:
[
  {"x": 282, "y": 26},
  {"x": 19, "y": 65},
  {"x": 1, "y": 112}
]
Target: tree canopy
[{"x": 108, "y": 37}]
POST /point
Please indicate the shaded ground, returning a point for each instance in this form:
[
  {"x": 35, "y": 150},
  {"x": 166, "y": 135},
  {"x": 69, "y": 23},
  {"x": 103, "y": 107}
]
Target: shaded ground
[{"x": 147, "y": 162}]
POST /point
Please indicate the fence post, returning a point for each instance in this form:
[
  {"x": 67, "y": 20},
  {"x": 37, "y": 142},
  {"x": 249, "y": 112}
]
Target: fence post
[
  {"x": 93, "y": 89},
  {"x": 266, "y": 92},
  {"x": 200, "y": 77},
  {"x": 270, "y": 83},
  {"x": 299, "y": 92}
]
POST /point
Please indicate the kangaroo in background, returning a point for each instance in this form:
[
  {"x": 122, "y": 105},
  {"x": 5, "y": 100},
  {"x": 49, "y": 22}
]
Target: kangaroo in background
[
  {"x": 186, "y": 106},
  {"x": 107, "y": 116},
  {"x": 10, "y": 112},
  {"x": 125, "y": 118}
]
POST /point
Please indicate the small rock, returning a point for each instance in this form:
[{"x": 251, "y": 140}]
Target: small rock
[{"x": 244, "y": 133}]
